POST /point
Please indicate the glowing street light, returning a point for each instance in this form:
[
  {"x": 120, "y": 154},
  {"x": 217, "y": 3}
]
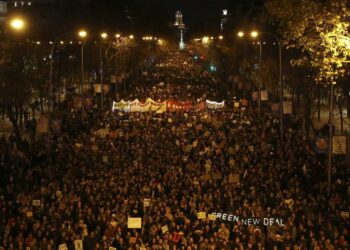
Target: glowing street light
[
  {"x": 131, "y": 36},
  {"x": 117, "y": 35},
  {"x": 221, "y": 37},
  {"x": 254, "y": 34},
  {"x": 17, "y": 24},
  {"x": 104, "y": 35},
  {"x": 240, "y": 34},
  {"x": 82, "y": 33}
]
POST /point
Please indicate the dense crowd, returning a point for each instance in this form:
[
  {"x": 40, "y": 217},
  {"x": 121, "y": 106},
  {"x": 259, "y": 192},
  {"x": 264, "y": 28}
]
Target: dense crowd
[
  {"x": 99, "y": 169},
  {"x": 176, "y": 76}
]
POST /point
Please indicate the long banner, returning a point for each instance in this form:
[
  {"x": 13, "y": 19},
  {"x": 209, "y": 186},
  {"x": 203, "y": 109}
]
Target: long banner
[
  {"x": 137, "y": 106},
  {"x": 160, "y": 107}
]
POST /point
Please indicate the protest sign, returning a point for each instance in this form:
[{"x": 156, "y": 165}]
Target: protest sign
[
  {"x": 211, "y": 216},
  {"x": 217, "y": 176},
  {"x": 339, "y": 145},
  {"x": 42, "y": 125},
  {"x": 62, "y": 247},
  {"x": 165, "y": 229},
  {"x": 201, "y": 215},
  {"x": 134, "y": 222},
  {"x": 36, "y": 203},
  {"x": 264, "y": 95},
  {"x": 287, "y": 107},
  {"x": 78, "y": 245},
  {"x": 146, "y": 202},
  {"x": 344, "y": 214},
  {"x": 105, "y": 159},
  {"x": 233, "y": 178}
]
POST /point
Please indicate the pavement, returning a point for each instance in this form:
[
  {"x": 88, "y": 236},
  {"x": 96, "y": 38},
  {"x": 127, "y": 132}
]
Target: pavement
[
  {"x": 337, "y": 121},
  {"x": 5, "y": 127}
]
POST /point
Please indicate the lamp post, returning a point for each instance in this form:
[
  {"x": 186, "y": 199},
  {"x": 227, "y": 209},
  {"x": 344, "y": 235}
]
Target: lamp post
[
  {"x": 255, "y": 34},
  {"x": 117, "y": 36},
  {"x": 103, "y": 37},
  {"x": 82, "y": 34},
  {"x": 330, "y": 143}
]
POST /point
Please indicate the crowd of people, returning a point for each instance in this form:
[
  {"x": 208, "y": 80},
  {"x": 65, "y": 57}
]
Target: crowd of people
[
  {"x": 177, "y": 76},
  {"x": 103, "y": 168}
]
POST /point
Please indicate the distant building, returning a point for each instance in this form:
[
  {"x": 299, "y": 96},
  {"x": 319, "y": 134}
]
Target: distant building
[
  {"x": 3, "y": 10},
  {"x": 224, "y": 19},
  {"x": 178, "y": 20}
]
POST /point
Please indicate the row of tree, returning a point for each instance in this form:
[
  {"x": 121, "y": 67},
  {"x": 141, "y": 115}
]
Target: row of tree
[{"x": 316, "y": 46}]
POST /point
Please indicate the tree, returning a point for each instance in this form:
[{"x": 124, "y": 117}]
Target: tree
[{"x": 320, "y": 29}]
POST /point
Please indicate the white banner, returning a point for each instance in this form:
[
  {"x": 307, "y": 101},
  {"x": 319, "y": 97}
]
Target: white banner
[
  {"x": 121, "y": 106},
  {"x": 214, "y": 105}
]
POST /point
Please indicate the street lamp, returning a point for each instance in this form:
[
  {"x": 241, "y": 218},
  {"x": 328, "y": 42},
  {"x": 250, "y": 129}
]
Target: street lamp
[
  {"x": 82, "y": 34},
  {"x": 280, "y": 75},
  {"x": 131, "y": 36},
  {"x": 116, "y": 63},
  {"x": 17, "y": 24},
  {"x": 104, "y": 36},
  {"x": 254, "y": 34}
]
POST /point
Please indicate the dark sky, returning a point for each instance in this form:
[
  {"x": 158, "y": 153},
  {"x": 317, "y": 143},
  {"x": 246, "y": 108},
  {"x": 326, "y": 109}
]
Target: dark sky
[{"x": 150, "y": 16}]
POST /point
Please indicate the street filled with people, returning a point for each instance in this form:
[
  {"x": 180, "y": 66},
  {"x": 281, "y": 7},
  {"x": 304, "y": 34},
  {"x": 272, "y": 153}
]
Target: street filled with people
[{"x": 109, "y": 179}]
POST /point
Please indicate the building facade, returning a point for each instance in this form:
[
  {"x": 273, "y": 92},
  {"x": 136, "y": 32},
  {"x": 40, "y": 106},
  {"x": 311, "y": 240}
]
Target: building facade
[{"x": 3, "y": 10}]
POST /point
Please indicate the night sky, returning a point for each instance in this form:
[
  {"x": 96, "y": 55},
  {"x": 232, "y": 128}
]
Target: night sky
[{"x": 141, "y": 16}]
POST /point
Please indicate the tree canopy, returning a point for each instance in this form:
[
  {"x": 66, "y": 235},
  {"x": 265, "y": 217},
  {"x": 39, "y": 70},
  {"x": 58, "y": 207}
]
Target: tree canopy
[{"x": 320, "y": 29}]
